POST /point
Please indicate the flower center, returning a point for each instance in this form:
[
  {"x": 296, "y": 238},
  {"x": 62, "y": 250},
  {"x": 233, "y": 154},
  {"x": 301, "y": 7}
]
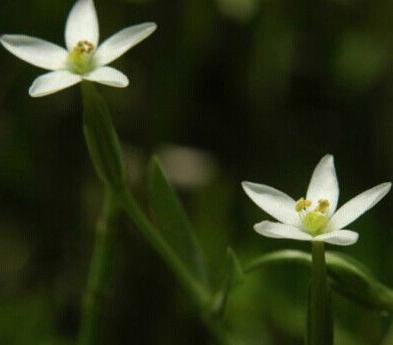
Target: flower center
[
  {"x": 316, "y": 220},
  {"x": 80, "y": 58}
]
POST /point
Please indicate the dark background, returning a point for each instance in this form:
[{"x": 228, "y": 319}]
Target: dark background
[{"x": 223, "y": 91}]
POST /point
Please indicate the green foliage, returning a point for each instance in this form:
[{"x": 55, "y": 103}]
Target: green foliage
[
  {"x": 101, "y": 138},
  {"x": 173, "y": 222},
  {"x": 234, "y": 275},
  {"x": 348, "y": 277}
]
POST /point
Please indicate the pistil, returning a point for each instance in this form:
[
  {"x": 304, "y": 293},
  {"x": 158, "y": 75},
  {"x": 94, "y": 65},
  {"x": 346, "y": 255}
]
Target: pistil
[
  {"x": 80, "y": 58},
  {"x": 316, "y": 220}
]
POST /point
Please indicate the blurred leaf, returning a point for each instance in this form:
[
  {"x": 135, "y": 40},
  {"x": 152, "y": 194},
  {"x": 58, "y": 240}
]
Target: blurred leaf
[
  {"x": 353, "y": 280},
  {"x": 348, "y": 277},
  {"x": 235, "y": 271},
  {"x": 27, "y": 320},
  {"x": 241, "y": 10},
  {"x": 233, "y": 275},
  {"x": 101, "y": 138},
  {"x": 173, "y": 222},
  {"x": 356, "y": 47}
]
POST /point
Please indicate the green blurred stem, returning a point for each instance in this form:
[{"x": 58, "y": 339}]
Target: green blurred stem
[
  {"x": 320, "y": 328},
  {"x": 106, "y": 155},
  {"x": 100, "y": 270}
]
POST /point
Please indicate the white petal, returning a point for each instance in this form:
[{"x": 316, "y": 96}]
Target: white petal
[
  {"x": 339, "y": 237},
  {"x": 82, "y": 24},
  {"x": 278, "y": 230},
  {"x": 122, "y": 41},
  {"x": 107, "y": 76},
  {"x": 323, "y": 183},
  {"x": 52, "y": 82},
  {"x": 272, "y": 201},
  {"x": 355, "y": 207},
  {"x": 35, "y": 51}
]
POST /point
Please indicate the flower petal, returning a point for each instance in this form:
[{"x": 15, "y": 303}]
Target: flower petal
[
  {"x": 278, "y": 204},
  {"x": 107, "y": 76},
  {"x": 52, "y": 82},
  {"x": 339, "y": 237},
  {"x": 355, "y": 207},
  {"x": 35, "y": 51},
  {"x": 323, "y": 184},
  {"x": 122, "y": 41},
  {"x": 278, "y": 230},
  {"x": 82, "y": 24}
]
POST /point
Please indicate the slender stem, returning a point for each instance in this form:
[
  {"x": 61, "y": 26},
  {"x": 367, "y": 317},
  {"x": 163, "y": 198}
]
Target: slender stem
[
  {"x": 320, "y": 327},
  {"x": 100, "y": 270}
]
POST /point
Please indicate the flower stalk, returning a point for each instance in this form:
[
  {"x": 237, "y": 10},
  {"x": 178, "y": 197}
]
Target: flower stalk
[
  {"x": 106, "y": 155},
  {"x": 320, "y": 326},
  {"x": 100, "y": 271}
]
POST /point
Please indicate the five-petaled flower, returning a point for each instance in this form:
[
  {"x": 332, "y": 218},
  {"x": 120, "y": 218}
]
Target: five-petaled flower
[
  {"x": 83, "y": 59},
  {"x": 313, "y": 218}
]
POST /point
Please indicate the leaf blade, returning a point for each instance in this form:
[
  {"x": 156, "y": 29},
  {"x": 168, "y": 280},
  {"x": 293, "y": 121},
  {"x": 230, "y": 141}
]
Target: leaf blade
[
  {"x": 348, "y": 277},
  {"x": 172, "y": 220}
]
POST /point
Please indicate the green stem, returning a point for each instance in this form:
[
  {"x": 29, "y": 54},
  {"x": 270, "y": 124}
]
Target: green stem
[
  {"x": 106, "y": 155},
  {"x": 320, "y": 327},
  {"x": 100, "y": 270}
]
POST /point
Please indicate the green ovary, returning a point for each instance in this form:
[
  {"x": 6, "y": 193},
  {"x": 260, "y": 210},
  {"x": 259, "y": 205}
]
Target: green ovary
[
  {"x": 314, "y": 222},
  {"x": 80, "y": 59}
]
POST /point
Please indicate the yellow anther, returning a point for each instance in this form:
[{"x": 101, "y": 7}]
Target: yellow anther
[
  {"x": 84, "y": 47},
  {"x": 302, "y": 204},
  {"x": 323, "y": 206}
]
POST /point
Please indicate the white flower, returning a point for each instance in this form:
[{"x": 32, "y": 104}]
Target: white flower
[
  {"x": 83, "y": 59},
  {"x": 314, "y": 218}
]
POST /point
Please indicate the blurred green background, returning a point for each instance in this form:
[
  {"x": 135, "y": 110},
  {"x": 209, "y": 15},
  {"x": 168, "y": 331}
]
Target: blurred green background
[{"x": 224, "y": 91}]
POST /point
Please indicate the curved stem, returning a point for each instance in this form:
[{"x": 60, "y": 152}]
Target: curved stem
[{"x": 100, "y": 270}]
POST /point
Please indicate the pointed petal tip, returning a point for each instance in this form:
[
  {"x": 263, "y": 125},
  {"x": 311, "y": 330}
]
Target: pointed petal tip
[
  {"x": 328, "y": 157},
  {"x": 52, "y": 82},
  {"x": 387, "y": 185},
  {"x": 6, "y": 39},
  {"x": 152, "y": 25},
  {"x": 244, "y": 184}
]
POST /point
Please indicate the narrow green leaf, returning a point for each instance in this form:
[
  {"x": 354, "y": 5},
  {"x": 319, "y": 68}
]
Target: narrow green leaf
[
  {"x": 234, "y": 268},
  {"x": 234, "y": 275},
  {"x": 101, "y": 138},
  {"x": 352, "y": 280},
  {"x": 172, "y": 220},
  {"x": 347, "y": 277}
]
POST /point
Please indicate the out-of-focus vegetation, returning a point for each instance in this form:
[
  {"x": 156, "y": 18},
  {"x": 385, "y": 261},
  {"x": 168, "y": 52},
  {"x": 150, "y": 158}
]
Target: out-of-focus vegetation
[{"x": 224, "y": 91}]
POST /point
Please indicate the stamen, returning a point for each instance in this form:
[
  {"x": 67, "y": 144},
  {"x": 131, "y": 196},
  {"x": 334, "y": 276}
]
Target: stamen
[
  {"x": 302, "y": 204},
  {"x": 323, "y": 206},
  {"x": 84, "y": 47}
]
